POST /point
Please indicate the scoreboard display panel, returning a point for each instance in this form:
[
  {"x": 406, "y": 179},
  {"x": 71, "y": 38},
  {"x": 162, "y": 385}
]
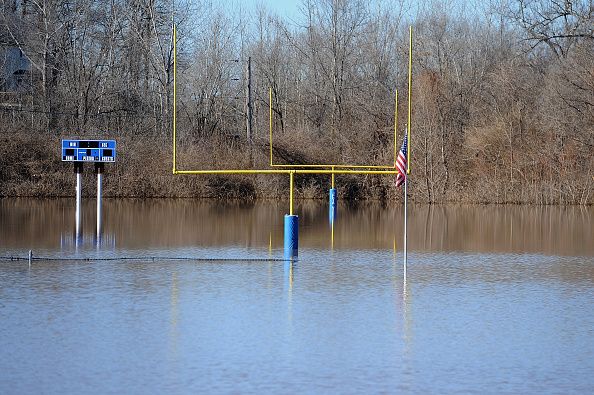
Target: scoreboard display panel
[{"x": 88, "y": 150}]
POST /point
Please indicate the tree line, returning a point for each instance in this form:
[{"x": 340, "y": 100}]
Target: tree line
[{"x": 502, "y": 95}]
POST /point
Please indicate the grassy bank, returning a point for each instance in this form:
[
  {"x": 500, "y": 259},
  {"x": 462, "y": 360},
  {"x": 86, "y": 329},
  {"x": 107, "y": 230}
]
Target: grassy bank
[{"x": 30, "y": 166}]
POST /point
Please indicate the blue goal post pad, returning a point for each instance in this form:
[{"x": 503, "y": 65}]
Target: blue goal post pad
[{"x": 89, "y": 151}]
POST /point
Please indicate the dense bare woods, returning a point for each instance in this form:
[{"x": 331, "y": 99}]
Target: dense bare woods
[{"x": 503, "y": 95}]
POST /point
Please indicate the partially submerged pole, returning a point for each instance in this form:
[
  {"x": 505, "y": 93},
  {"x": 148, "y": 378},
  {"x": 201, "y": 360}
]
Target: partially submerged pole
[
  {"x": 78, "y": 169},
  {"x": 291, "y": 236},
  {"x": 333, "y": 199},
  {"x": 99, "y": 167},
  {"x": 291, "y": 242},
  {"x": 408, "y": 148},
  {"x": 405, "y": 224}
]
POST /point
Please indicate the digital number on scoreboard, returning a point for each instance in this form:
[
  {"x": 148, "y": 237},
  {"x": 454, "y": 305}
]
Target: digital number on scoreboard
[{"x": 88, "y": 150}]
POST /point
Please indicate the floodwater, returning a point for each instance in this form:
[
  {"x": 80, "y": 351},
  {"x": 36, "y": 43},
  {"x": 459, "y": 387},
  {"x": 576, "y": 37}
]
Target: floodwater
[{"x": 496, "y": 299}]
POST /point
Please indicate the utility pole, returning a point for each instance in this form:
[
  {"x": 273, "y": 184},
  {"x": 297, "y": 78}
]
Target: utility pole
[{"x": 248, "y": 100}]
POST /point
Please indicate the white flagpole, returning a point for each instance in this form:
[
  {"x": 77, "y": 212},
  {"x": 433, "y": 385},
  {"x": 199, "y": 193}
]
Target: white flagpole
[
  {"x": 410, "y": 45},
  {"x": 405, "y": 222}
]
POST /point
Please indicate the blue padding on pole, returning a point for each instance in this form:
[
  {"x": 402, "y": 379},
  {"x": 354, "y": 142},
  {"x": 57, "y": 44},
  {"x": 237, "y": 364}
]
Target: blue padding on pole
[
  {"x": 333, "y": 205},
  {"x": 291, "y": 235},
  {"x": 333, "y": 198},
  {"x": 332, "y": 215}
]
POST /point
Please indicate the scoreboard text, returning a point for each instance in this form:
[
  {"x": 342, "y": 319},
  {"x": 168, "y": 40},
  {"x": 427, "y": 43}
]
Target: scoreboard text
[{"x": 88, "y": 150}]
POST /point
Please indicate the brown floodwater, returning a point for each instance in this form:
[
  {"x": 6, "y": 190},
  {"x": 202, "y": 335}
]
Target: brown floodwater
[
  {"x": 496, "y": 299},
  {"x": 171, "y": 223}
]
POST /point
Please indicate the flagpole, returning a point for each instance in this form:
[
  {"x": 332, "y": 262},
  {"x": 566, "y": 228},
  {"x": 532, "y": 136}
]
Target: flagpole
[
  {"x": 405, "y": 222},
  {"x": 408, "y": 125}
]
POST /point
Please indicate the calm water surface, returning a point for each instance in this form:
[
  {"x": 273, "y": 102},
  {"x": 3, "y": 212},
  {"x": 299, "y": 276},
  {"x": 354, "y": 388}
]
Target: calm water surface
[{"x": 496, "y": 300}]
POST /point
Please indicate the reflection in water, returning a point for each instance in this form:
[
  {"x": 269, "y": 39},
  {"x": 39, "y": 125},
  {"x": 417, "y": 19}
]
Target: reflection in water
[
  {"x": 346, "y": 321},
  {"x": 332, "y": 214},
  {"x": 407, "y": 325},
  {"x": 487, "y": 319},
  {"x": 69, "y": 241},
  {"x": 332, "y": 234},
  {"x": 406, "y": 314},
  {"x": 172, "y": 223},
  {"x": 288, "y": 269},
  {"x": 173, "y": 330}
]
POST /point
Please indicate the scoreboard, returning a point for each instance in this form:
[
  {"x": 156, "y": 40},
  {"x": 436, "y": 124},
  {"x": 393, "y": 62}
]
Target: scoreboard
[{"x": 88, "y": 150}]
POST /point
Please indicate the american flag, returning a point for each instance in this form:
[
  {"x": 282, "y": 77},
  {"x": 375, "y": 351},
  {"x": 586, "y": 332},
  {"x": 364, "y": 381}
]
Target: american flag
[{"x": 401, "y": 163}]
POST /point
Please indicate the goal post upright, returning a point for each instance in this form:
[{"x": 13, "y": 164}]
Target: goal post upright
[
  {"x": 174, "y": 97},
  {"x": 408, "y": 125}
]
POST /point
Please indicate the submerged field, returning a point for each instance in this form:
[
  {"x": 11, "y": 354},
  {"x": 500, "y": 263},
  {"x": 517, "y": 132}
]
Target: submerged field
[{"x": 496, "y": 299}]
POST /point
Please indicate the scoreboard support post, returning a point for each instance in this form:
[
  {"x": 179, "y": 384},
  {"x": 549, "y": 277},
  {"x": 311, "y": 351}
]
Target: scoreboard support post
[
  {"x": 99, "y": 167},
  {"x": 78, "y": 170}
]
